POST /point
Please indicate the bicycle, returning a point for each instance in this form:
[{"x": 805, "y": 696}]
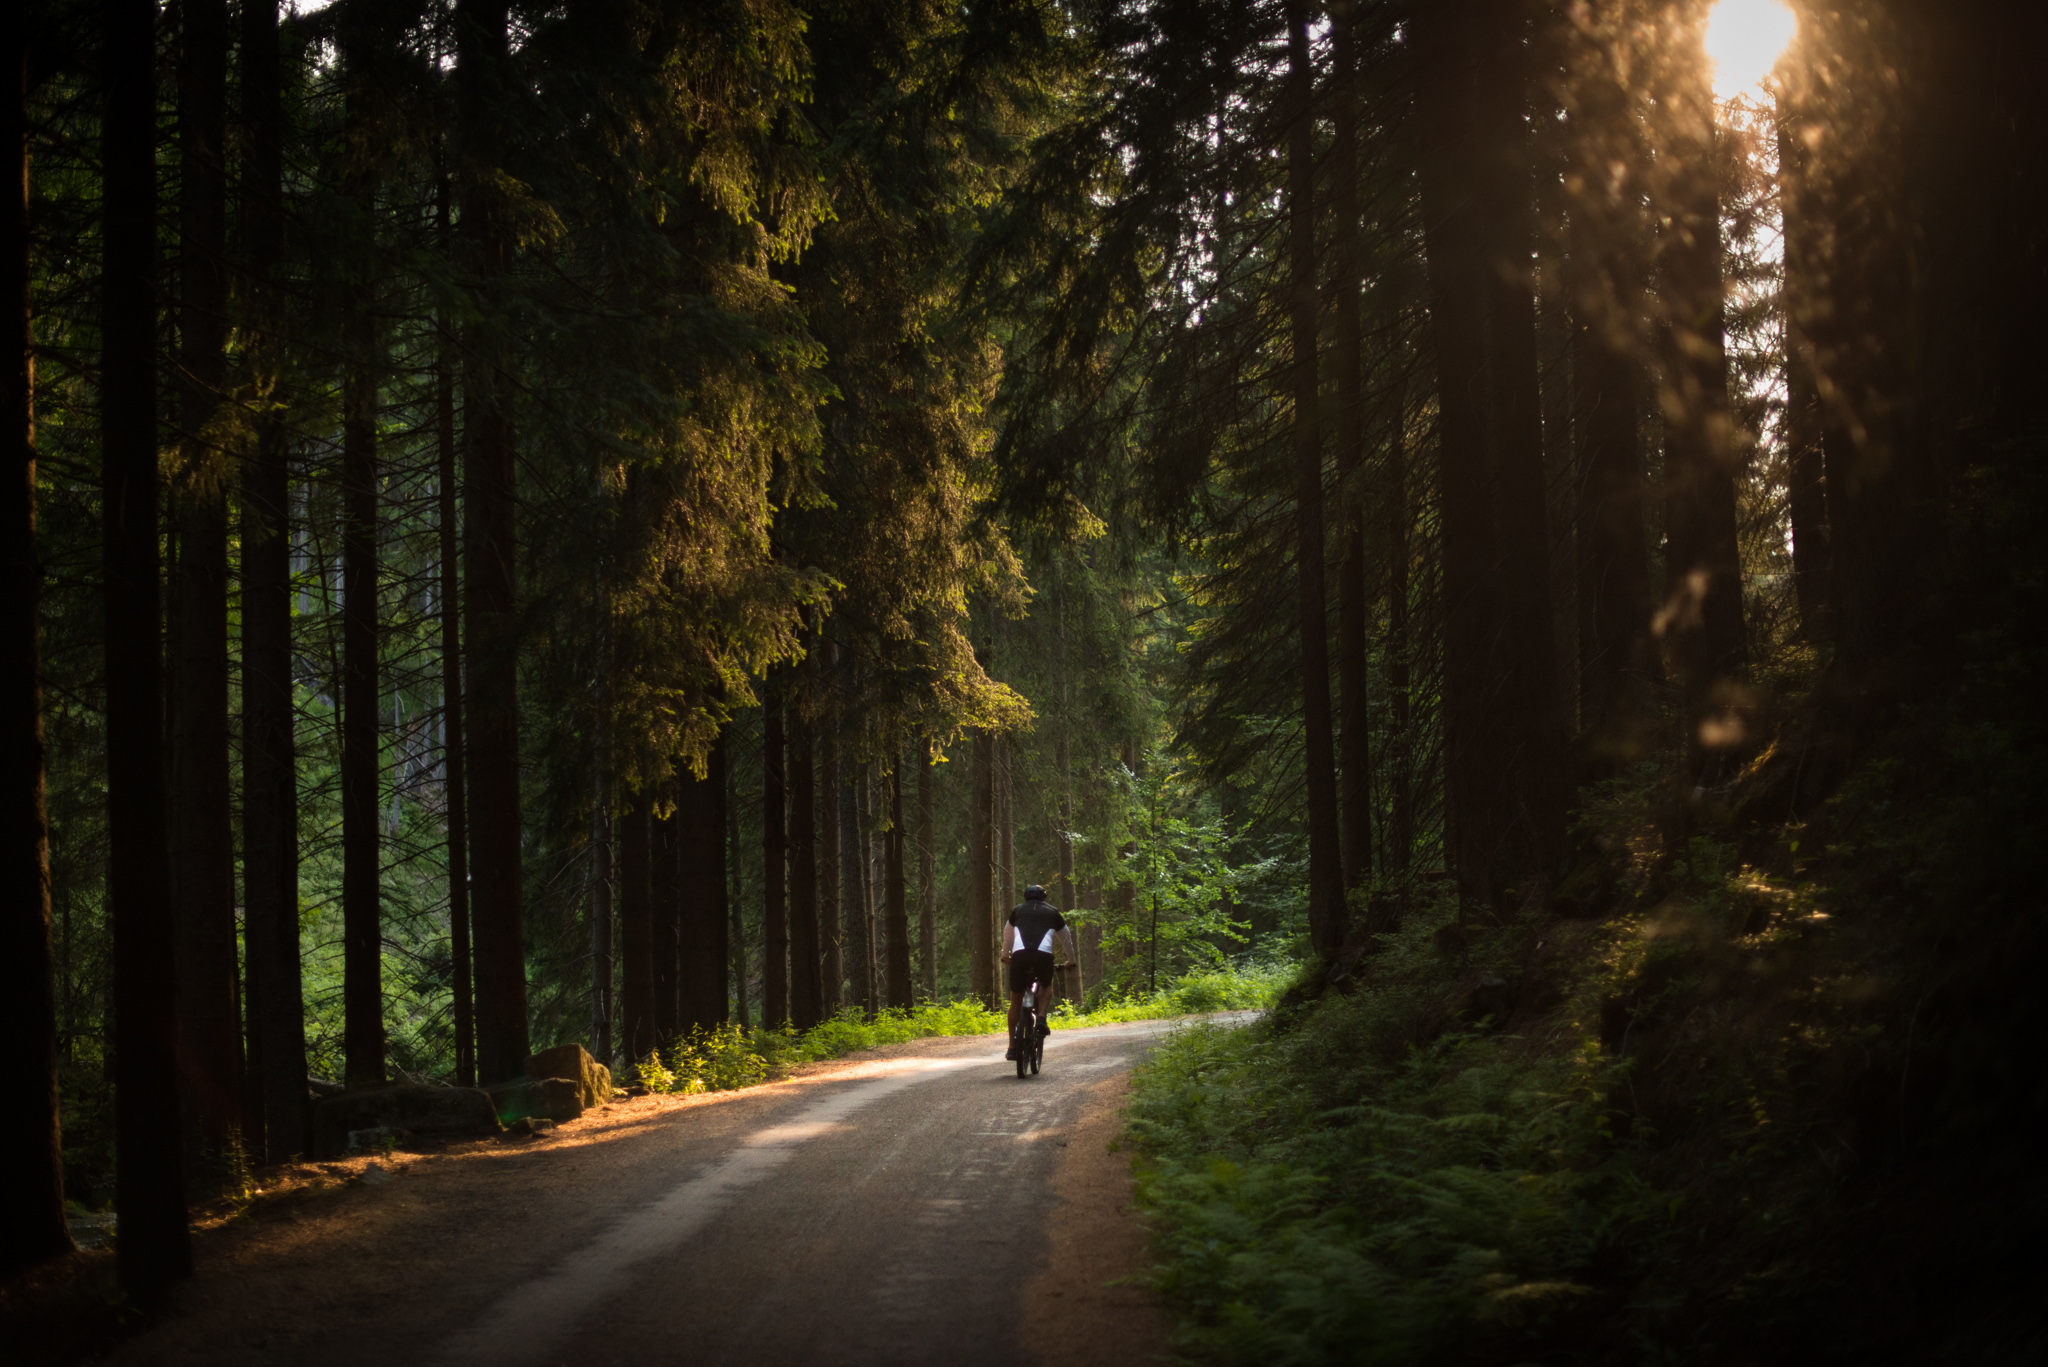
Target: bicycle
[{"x": 1028, "y": 1042}]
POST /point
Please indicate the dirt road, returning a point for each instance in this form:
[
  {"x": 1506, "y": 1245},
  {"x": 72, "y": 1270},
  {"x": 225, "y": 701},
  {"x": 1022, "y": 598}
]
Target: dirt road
[{"x": 922, "y": 1205}]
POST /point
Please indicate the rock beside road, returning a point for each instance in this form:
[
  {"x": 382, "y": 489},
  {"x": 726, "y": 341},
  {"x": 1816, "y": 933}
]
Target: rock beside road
[
  {"x": 429, "y": 1112},
  {"x": 550, "y": 1098},
  {"x": 572, "y": 1061}
]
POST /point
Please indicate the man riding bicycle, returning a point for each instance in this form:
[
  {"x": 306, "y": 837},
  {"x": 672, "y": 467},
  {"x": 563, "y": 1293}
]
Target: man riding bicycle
[{"x": 1028, "y": 938}]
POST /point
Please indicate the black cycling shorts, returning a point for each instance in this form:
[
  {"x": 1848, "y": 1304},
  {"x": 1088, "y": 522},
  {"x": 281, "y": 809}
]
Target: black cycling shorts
[{"x": 1028, "y": 966}]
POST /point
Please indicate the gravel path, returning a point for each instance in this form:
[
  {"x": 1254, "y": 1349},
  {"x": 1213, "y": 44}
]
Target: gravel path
[{"x": 919, "y": 1204}]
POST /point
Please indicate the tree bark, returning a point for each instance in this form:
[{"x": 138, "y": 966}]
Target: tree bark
[
  {"x": 774, "y": 856},
  {"x": 1091, "y": 933},
  {"x": 981, "y": 862},
  {"x": 361, "y": 692},
  {"x": 601, "y": 881},
  {"x": 736, "y": 921},
  {"x": 896, "y": 905},
  {"x": 270, "y": 821},
  {"x": 1126, "y": 890},
  {"x": 831, "y": 940},
  {"x": 1503, "y": 718},
  {"x": 927, "y": 876},
  {"x": 870, "y": 894},
  {"x": 636, "y": 933},
  {"x": 1354, "y": 600},
  {"x": 1327, "y": 915},
  {"x": 852, "y": 882},
  {"x": 700, "y": 828},
  {"x": 454, "y": 789},
  {"x": 490, "y": 559},
  {"x": 1400, "y": 851},
  {"x": 1619, "y": 663},
  {"x": 1805, "y": 467},
  {"x": 202, "y": 832},
  {"x": 665, "y": 855},
  {"x": 1701, "y": 618},
  {"x": 1006, "y": 830},
  {"x": 149, "y": 1190},
  {"x": 806, "y": 992},
  {"x": 32, "y": 1207}
]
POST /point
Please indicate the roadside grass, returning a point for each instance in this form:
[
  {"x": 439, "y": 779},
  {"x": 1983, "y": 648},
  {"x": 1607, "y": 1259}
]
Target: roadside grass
[{"x": 728, "y": 1057}]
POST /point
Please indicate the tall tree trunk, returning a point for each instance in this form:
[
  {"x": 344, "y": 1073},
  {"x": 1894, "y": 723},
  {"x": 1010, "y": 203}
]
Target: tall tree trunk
[
  {"x": 806, "y": 992},
  {"x": 831, "y": 938},
  {"x": 453, "y": 777},
  {"x": 665, "y": 854},
  {"x": 1400, "y": 851},
  {"x": 202, "y": 829},
  {"x": 490, "y": 558},
  {"x": 1091, "y": 933},
  {"x": 149, "y": 1188},
  {"x": 361, "y": 694},
  {"x": 1805, "y": 473},
  {"x": 713, "y": 988},
  {"x": 1126, "y": 890},
  {"x": 700, "y": 829},
  {"x": 1702, "y": 613},
  {"x": 1502, "y": 714},
  {"x": 897, "y": 912},
  {"x": 870, "y": 895},
  {"x": 601, "y": 880},
  {"x": 1619, "y": 662},
  {"x": 927, "y": 877},
  {"x": 32, "y": 1208},
  {"x": 852, "y": 883},
  {"x": 1006, "y": 830},
  {"x": 981, "y": 865},
  {"x": 774, "y": 856},
  {"x": 270, "y": 794},
  {"x": 1326, "y": 907},
  {"x": 636, "y": 932},
  {"x": 1354, "y": 600},
  {"x": 737, "y": 925}
]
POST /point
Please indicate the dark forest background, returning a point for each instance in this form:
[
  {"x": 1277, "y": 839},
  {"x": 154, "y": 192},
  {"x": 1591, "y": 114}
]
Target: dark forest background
[{"x": 533, "y": 523}]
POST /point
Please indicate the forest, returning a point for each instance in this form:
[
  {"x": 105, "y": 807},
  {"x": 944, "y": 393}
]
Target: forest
[{"x": 616, "y": 521}]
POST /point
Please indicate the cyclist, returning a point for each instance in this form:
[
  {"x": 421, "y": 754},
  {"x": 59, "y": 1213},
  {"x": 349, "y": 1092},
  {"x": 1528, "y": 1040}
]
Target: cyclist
[{"x": 1028, "y": 938}]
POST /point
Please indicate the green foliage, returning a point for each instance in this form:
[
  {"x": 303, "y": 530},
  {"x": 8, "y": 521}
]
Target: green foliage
[
  {"x": 1232, "y": 987},
  {"x": 721, "y": 1059},
  {"x": 1358, "y": 1188}
]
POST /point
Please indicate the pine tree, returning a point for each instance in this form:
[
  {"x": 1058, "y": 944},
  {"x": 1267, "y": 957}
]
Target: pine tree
[
  {"x": 1327, "y": 910},
  {"x": 32, "y": 1211},
  {"x": 1500, "y": 670},
  {"x": 490, "y": 552},
  {"x": 202, "y": 837},
  {"x": 270, "y": 864},
  {"x": 155, "y": 1247}
]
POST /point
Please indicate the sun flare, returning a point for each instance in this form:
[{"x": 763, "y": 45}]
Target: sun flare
[{"x": 1744, "y": 41}]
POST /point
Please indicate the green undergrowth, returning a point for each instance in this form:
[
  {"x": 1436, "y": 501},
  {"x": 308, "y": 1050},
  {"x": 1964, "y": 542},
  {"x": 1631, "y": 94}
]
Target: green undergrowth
[
  {"x": 1761, "y": 1091},
  {"x": 1378, "y": 1179},
  {"x": 1234, "y": 987},
  {"x": 728, "y": 1057}
]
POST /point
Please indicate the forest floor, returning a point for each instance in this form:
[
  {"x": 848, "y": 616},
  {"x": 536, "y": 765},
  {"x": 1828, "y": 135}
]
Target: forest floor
[{"x": 914, "y": 1203}]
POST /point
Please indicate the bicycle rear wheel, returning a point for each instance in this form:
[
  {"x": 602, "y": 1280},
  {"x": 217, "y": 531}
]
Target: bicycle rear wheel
[{"x": 1023, "y": 1053}]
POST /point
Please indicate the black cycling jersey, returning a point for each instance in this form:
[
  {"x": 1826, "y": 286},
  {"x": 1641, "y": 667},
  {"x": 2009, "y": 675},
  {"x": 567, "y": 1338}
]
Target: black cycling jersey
[{"x": 1031, "y": 926}]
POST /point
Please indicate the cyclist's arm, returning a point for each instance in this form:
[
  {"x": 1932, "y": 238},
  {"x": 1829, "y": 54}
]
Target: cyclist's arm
[
  {"x": 1066, "y": 938},
  {"x": 1006, "y": 937}
]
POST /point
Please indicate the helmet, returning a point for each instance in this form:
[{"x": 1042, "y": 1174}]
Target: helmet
[{"x": 1034, "y": 893}]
